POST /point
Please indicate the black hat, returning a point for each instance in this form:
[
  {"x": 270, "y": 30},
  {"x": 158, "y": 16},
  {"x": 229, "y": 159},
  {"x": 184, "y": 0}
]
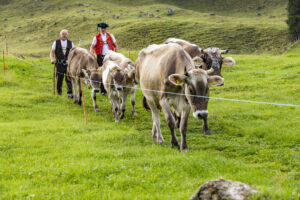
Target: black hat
[{"x": 103, "y": 25}]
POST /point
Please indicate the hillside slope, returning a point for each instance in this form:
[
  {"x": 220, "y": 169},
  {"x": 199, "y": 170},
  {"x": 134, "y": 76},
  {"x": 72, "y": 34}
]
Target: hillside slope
[{"x": 32, "y": 25}]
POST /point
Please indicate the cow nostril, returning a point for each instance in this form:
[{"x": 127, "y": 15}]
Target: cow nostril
[
  {"x": 199, "y": 115},
  {"x": 119, "y": 88},
  {"x": 96, "y": 90}
]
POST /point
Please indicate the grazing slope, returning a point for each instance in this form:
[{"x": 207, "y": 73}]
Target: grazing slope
[
  {"x": 31, "y": 26},
  {"x": 48, "y": 152}
]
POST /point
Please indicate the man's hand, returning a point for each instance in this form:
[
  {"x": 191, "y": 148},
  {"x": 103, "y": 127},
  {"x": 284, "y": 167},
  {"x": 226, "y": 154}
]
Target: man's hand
[{"x": 53, "y": 61}]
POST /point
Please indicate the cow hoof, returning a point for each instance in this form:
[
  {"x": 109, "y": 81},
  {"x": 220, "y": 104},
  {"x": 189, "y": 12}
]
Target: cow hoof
[
  {"x": 207, "y": 132},
  {"x": 96, "y": 109},
  {"x": 122, "y": 116},
  {"x": 160, "y": 140},
  {"x": 117, "y": 120},
  {"x": 175, "y": 144},
  {"x": 134, "y": 114},
  {"x": 154, "y": 135},
  {"x": 185, "y": 149}
]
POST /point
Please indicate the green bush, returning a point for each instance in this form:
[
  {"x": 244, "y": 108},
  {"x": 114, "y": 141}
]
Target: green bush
[{"x": 294, "y": 18}]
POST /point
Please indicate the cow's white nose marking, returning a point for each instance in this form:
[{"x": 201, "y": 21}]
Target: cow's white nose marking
[{"x": 200, "y": 113}]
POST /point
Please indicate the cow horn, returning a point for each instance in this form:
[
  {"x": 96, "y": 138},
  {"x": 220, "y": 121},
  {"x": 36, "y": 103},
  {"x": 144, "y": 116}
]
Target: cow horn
[
  {"x": 205, "y": 51},
  {"x": 224, "y": 51},
  {"x": 210, "y": 71}
]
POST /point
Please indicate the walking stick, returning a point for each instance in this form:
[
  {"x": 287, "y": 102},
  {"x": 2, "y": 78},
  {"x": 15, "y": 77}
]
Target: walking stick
[{"x": 54, "y": 78}]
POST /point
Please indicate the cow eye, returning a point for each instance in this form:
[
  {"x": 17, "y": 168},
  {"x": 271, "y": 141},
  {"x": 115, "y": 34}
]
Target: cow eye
[{"x": 191, "y": 90}]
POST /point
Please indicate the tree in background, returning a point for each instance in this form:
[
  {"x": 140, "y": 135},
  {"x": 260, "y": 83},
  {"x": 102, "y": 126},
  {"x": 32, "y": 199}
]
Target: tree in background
[{"x": 294, "y": 18}]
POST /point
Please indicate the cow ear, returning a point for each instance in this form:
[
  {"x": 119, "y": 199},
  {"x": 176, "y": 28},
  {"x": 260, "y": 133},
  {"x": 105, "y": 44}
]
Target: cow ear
[
  {"x": 228, "y": 61},
  {"x": 86, "y": 72},
  {"x": 198, "y": 62},
  {"x": 215, "y": 80},
  {"x": 177, "y": 79}
]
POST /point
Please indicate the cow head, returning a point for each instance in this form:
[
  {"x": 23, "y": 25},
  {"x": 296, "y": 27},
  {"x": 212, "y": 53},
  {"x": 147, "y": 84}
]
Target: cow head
[
  {"x": 92, "y": 79},
  {"x": 118, "y": 76},
  {"x": 195, "y": 83},
  {"x": 214, "y": 61}
]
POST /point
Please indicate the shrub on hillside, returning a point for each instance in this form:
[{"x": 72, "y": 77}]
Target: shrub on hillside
[{"x": 294, "y": 18}]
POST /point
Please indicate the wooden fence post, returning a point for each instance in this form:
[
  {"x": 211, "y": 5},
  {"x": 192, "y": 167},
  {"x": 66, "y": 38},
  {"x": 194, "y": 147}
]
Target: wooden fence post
[
  {"x": 3, "y": 63},
  {"x": 83, "y": 101}
]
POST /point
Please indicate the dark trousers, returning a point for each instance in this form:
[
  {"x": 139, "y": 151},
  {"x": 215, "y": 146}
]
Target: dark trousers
[
  {"x": 100, "y": 63},
  {"x": 61, "y": 72},
  {"x": 100, "y": 59}
]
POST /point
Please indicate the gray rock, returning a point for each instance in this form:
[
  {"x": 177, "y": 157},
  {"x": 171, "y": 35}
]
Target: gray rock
[
  {"x": 212, "y": 14},
  {"x": 141, "y": 12},
  {"x": 260, "y": 7},
  {"x": 117, "y": 16},
  {"x": 220, "y": 189},
  {"x": 150, "y": 15},
  {"x": 157, "y": 10},
  {"x": 171, "y": 11},
  {"x": 5, "y": 19},
  {"x": 157, "y": 16},
  {"x": 86, "y": 5},
  {"x": 79, "y": 11},
  {"x": 258, "y": 14},
  {"x": 79, "y": 4},
  {"x": 140, "y": 16}
]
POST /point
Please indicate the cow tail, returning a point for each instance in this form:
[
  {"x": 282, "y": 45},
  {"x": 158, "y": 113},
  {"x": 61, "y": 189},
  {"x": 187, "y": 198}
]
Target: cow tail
[{"x": 145, "y": 103}]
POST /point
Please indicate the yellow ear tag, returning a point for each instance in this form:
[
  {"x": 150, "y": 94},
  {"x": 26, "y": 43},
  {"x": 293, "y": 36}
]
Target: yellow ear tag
[
  {"x": 178, "y": 82},
  {"x": 225, "y": 63},
  {"x": 198, "y": 62}
]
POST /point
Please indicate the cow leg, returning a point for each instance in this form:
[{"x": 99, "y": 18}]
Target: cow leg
[
  {"x": 206, "y": 131},
  {"x": 114, "y": 102},
  {"x": 183, "y": 128},
  {"x": 177, "y": 120},
  {"x": 170, "y": 120},
  {"x": 156, "y": 121},
  {"x": 123, "y": 104},
  {"x": 154, "y": 131},
  {"x": 79, "y": 91},
  {"x": 74, "y": 90},
  {"x": 132, "y": 101},
  {"x": 94, "y": 101}
]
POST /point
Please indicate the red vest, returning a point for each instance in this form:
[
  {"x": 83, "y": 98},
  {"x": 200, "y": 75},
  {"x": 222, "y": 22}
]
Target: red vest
[{"x": 100, "y": 43}]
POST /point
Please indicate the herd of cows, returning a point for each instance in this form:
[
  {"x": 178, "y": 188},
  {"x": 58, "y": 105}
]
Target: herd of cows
[{"x": 163, "y": 71}]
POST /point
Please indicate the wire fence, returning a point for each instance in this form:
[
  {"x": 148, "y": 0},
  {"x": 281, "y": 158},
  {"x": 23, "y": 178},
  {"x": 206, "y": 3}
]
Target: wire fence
[{"x": 173, "y": 93}]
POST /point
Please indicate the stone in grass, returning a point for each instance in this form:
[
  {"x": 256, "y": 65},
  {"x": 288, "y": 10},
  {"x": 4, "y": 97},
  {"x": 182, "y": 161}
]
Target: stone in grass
[
  {"x": 171, "y": 11},
  {"x": 86, "y": 5},
  {"x": 5, "y": 19},
  {"x": 212, "y": 14},
  {"x": 258, "y": 14},
  {"x": 220, "y": 189},
  {"x": 117, "y": 16},
  {"x": 157, "y": 10}
]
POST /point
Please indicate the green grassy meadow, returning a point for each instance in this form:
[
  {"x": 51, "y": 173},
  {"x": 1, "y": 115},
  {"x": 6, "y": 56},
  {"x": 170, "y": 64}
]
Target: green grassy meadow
[{"x": 48, "y": 152}]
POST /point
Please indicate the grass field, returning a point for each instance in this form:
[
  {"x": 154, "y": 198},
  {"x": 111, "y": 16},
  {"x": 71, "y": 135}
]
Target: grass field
[
  {"x": 48, "y": 152},
  {"x": 32, "y": 26}
]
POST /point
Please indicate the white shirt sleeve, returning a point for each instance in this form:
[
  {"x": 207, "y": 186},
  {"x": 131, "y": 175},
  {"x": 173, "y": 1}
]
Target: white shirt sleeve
[
  {"x": 54, "y": 45},
  {"x": 72, "y": 44},
  {"x": 113, "y": 38},
  {"x": 94, "y": 41}
]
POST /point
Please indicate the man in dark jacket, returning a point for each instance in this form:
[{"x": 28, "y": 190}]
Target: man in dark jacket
[{"x": 59, "y": 56}]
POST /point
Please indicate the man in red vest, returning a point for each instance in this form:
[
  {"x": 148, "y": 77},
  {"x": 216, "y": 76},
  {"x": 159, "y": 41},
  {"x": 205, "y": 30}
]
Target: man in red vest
[{"x": 102, "y": 43}]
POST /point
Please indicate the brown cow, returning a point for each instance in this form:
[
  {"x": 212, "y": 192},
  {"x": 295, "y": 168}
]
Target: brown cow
[
  {"x": 209, "y": 58},
  {"x": 83, "y": 64},
  {"x": 130, "y": 81},
  {"x": 165, "y": 69}
]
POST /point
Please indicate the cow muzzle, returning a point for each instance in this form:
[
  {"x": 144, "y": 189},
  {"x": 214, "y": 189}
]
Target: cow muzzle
[
  {"x": 200, "y": 114},
  {"x": 96, "y": 90},
  {"x": 119, "y": 88}
]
